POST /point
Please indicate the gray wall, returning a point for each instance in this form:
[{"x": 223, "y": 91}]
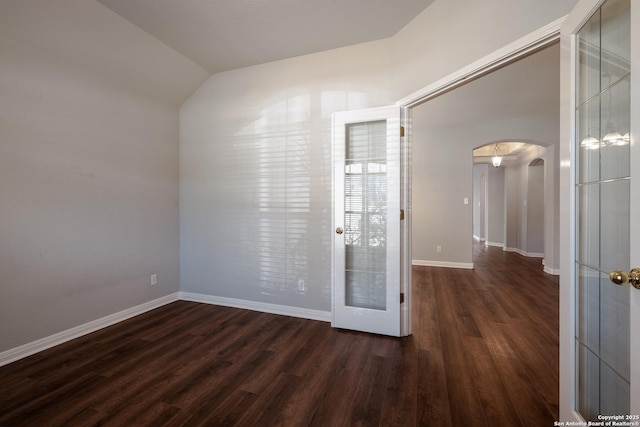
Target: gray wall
[
  {"x": 514, "y": 212},
  {"x": 89, "y": 156},
  {"x": 88, "y": 174},
  {"x": 443, "y": 143},
  {"x": 535, "y": 209},
  {"x": 442, "y": 179},
  {"x": 529, "y": 194},
  {"x": 516, "y": 205},
  {"x": 496, "y": 208},
  {"x": 480, "y": 172},
  {"x": 238, "y": 242}
]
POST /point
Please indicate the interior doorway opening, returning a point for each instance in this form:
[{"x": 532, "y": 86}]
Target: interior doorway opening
[
  {"x": 541, "y": 40},
  {"x": 509, "y": 198},
  {"x": 484, "y": 116}
]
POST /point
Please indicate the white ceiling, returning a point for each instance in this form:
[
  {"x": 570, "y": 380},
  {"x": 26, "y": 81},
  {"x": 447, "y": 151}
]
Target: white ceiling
[{"x": 222, "y": 35}]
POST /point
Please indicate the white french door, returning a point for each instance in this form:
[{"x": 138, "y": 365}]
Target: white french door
[
  {"x": 599, "y": 339},
  {"x": 366, "y": 220}
]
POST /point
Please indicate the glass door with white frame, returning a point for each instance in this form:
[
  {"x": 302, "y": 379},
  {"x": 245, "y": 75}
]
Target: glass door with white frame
[
  {"x": 366, "y": 264},
  {"x": 602, "y": 191}
]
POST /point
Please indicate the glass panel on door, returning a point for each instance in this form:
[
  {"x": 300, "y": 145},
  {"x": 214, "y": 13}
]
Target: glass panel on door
[
  {"x": 602, "y": 211},
  {"x": 365, "y": 213}
]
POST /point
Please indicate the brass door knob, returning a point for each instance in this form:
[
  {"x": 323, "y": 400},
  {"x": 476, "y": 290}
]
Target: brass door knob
[
  {"x": 634, "y": 278},
  {"x": 620, "y": 277},
  {"x": 339, "y": 230}
]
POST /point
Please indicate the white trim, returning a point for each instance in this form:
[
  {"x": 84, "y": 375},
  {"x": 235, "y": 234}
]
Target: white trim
[
  {"x": 28, "y": 349},
  {"x": 523, "y": 253},
  {"x": 495, "y": 244},
  {"x": 552, "y": 271},
  {"x": 549, "y": 270},
  {"x": 405, "y": 230},
  {"x": 501, "y": 57},
  {"x": 634, "y": 206},
  {"x": 423, "y": 263},
  {"x": 285, "y": 310}
]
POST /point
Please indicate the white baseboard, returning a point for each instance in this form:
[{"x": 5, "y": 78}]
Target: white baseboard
[
  {"x": 549, "y": 270},
  {"x": 516, "y": 250},
  {"x": 28, "y": 349},
  {"x": 465, "y": 265},
  {"x": 495, "y": 244},
  {"x": 284, "y": 310},
  {"x": 552, "y": 271},
  {"x": 523, "y": 253}
]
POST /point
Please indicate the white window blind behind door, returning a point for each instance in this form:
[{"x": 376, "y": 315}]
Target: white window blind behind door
[{"x": 365, "y": 215}]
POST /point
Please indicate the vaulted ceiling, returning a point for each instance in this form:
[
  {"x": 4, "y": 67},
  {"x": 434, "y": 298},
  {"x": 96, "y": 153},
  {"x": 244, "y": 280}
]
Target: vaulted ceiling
[
  {"x": 221, "y": 35},
  {"x": 166, "y": 49}
]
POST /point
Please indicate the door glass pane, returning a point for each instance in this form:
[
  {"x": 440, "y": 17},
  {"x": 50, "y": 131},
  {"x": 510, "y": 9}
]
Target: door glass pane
[
  {"x": 365, "y": 215},
  {"x": 588, "y": 141},
  {"x": 588, "y": 223},
  {"x": 588, "y": 382},
  {"x": 616, "y": 118},
  {"x": 588, "y": 78},
  {"x": 614, "y": 392},
  {"x": 588, "y": 307},
  {"x": 614, "y": 327},
  {"x": 614, "y": 225},
  {"x": 602, "y": 211},
  {"x": 615, "y": 41}
]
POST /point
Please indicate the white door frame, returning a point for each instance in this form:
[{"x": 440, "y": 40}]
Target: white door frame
[
  {"x": 567, "y": 248},
  {"x": 522, "y": 47},
  {"x": 634, "y": 206}
]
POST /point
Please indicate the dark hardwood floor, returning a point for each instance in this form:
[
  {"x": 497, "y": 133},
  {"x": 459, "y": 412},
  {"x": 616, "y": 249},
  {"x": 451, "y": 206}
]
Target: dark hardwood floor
[{"x": 484, "y": 353}]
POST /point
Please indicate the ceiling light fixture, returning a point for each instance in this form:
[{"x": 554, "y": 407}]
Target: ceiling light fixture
[{"x": 496, "y": 160}]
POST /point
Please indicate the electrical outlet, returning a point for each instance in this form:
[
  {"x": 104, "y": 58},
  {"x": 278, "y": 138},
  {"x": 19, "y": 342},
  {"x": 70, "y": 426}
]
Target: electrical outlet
[
  {"x": 301, "y": 286},
  {"x": 438, "y": 248},
  {"x": 154, "y": 279}
]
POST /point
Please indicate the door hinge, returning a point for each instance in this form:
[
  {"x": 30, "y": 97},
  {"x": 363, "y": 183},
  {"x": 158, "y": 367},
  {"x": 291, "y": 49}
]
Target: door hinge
[
  {"x": 401, "y": 131},
  {"x": 401, "y": 214},
  {"x": 401, "y": 297}
]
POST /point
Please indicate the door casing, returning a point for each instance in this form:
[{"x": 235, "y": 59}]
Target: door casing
[{"x": 520, "y": 48}]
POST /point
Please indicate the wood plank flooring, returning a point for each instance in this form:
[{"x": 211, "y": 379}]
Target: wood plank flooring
[{"x": 484, "y": 353}]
